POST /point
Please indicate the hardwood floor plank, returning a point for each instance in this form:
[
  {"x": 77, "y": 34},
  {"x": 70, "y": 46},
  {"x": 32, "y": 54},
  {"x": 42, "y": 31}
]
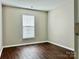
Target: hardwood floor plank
[{"x": 37, "y": 51}]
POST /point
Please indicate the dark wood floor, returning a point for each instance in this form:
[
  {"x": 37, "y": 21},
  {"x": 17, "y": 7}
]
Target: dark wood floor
[{"x": 37, "y": 51}]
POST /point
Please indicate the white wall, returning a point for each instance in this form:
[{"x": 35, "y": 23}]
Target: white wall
[
  {"x": 12, "y": 19},
  {"x": 0, "y": 27},
  {"x": 61, "y": 25}
]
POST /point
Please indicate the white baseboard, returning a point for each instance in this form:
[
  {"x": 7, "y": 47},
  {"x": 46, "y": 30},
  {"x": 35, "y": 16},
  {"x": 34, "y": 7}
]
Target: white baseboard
[
  {"x": 24, "y": 44},
  {"x": 39, "y": 42},
  {"x": 1, "y": 52},
  {"x": 61, "y": 46},
  {"x": 36, "y": 43}
]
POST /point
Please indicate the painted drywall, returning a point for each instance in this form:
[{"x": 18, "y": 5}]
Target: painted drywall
[
  {"x": 12, "y": 19},
  {"x": 0, "y": 27},
  {"x": 78, "y": 12},
  {"x": 44, "y": 5},
  {"x": 77, "y": 39},
  {"x": 61, "y": 25}
]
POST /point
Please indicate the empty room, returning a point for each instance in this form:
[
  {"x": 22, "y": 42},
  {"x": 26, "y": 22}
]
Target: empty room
[{"x": 37, "y": 29}]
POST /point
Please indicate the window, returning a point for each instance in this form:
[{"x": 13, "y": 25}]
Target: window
[{"x": 28, "y": 26}]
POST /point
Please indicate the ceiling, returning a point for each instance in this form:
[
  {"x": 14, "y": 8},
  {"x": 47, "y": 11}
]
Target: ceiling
[{"x": 45, "y": 5}]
